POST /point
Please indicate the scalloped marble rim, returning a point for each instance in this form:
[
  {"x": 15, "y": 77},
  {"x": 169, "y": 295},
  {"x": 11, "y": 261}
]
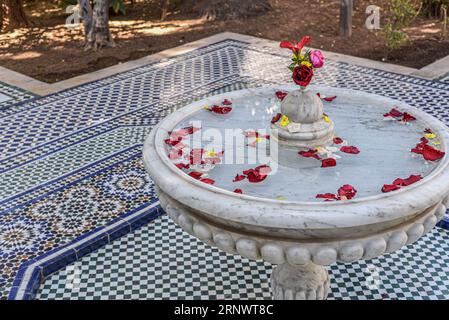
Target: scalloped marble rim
[
  {"x": 318, "y": 252},
  {"x": 261, "y": 215}
]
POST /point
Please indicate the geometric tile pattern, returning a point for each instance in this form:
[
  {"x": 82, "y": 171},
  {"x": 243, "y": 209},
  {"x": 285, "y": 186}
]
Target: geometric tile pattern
[
  {"x": 445, "y": 78},
  {"x": 10, "y": 96},
  {"x": 160, "y": 261},
  {"x": 61, "y": 153},
  {"x": 47, "y": 222}
]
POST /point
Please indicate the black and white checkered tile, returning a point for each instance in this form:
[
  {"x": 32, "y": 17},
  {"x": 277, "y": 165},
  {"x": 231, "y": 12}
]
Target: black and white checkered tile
[{"x": 160, "y": 261}]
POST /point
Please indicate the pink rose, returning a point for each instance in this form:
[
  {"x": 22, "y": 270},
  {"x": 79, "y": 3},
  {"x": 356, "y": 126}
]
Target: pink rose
[{"x": 317, "y": 58}]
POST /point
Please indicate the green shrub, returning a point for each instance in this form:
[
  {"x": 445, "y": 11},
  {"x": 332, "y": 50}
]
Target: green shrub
[{"x": 399, "y": 15}]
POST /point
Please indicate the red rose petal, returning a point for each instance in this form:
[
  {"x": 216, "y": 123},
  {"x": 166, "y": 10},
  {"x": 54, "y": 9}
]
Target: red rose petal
[
  {"x": 252, "y": 144},
  {"x": 226, "y": 102},
  {"x": 389, "y": 188},
  {"x": 175, "y": 153},
  {"x": 195, "y": 174},
  {"x": 190, "y": 130},
  {"x": 347, "y": 191},
  {"x": 250, "y": 134},
  {"x": 407, "y": 117},
  {"x": 255, "y": 177},
  {"x": 183, "y": 132},
  {"x": 212, "y": 160},
  {"x": 427, "y": 130},
  {"x": 303, "y": 42},
  {"x": 196, "y": 156},
  {"x": 208, "y": 181},
  {"x": 296, "y": 48},
  {"x": 276, "y": 118},
  {"x": 182, "y": 165},
  {"x": 419, "y": 148},
  {"x": 329, "y": 99},
  {"x": 344, "y": 192},
  {"x": 432, "y": 154},
  {"x": 287, "y": 45},
  {"x": 255, "y": 134},
  {"x": 196, "y": 151},
  {"x": 238, "y": 191},
  {"x": 239, "y": 177},
  {"x": 329, "y": 196},
  {"x": 393, "y": 113},
  {"x": 406, "y": 182},
  {"x": 310, "y": 154},
  {"x": 220, "y": 110},
  {"x": 337, "y": 140},
  {"x": 281, "y": 95},
  {"x": 329, "y": 162},
  {"x": 350, "y": 149},
  {"x": 263, "y": 169},
  {"x": 173, "y": 142}
]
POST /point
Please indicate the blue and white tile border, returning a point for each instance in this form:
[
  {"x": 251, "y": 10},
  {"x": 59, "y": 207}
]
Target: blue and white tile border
[
  {"x": 32, "y": 273},
  {"x": 15, "y": 94}
]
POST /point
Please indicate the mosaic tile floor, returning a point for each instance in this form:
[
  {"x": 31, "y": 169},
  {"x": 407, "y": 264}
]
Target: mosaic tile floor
[
  {"x": 70, "y": 169},
  {"x": 10, "y": 96},
  {"x": 160, "y": 261}
]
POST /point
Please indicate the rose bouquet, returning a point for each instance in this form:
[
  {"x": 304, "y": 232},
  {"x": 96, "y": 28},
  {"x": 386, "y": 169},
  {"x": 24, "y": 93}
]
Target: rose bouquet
[{"x": 304, "y": 63}]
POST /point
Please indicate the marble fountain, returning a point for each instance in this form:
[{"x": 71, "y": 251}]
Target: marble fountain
[{"x": 313, "y": 183}]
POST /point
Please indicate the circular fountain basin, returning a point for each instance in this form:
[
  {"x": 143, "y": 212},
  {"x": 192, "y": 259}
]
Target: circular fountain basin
[{"x": 280, "y": 219}]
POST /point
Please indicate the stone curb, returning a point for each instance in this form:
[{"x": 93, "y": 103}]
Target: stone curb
[{"x": 430, "y": 72}]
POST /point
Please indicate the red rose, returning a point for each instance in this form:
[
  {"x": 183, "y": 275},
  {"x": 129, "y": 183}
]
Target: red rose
[{"x": 302, "y": 75}]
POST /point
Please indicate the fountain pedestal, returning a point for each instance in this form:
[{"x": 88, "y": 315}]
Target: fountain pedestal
[
  {"x": 308, "y": 127},
  {"x": 308, "y": 282}
]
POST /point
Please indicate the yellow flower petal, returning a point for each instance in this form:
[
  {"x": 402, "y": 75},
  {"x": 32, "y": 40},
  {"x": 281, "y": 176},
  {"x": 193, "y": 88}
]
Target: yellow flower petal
[
  {"x": 211, "y": 153},
  {"x": 259, "y": 139},
  {"x": 326, "y": 118},
  {"x": 430, "y": 135},
  {"x": 284, "y": 121},
  {"x": 436, "y": 143},
  {"x": 306, "y": 63},
  {"x": 281, "y": 198}
]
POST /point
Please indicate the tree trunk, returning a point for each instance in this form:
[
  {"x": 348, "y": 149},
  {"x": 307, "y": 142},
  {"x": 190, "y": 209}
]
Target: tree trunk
[
  {"x": 12, "y": 15},
  {"x": 228, "y": 9},
  {"x": 346, "y": 9},
  {"x": 96, "y": 24},
  {"x": 86, "y": 15},
  {"x": 164, "y": 9}
]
